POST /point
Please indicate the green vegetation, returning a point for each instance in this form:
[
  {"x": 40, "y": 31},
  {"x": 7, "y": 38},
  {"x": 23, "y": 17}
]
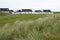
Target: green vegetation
[
  {"x": 56, "y": 12},
  {"x": 11, "y": 18},
  {"x": 30, "y": 27}
]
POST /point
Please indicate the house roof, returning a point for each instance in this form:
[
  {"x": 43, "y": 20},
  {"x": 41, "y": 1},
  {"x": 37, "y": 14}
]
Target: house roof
[
  {"x": 4, "y": 9},
  {"x": 26, "y": 10},
  {"x": 38, "y": 11},
  {"x": 18, "y": 11},
  {"x": 46, "y": 10},
  {"x": 11, "y": 10}
]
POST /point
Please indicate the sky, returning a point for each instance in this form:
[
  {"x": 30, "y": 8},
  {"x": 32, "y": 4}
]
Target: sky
[{"x": 53, "y": 5}]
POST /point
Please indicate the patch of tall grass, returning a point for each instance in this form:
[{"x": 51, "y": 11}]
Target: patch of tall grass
[
  {"x": 11, "y": 18},
  {"x": 47, "y": 28}
]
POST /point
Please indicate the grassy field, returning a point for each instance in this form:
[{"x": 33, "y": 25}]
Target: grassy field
[
  {"x": 56, "y": 12},
  {"x": 10, "y": 18},
  {"x": 29, "y": 27}
]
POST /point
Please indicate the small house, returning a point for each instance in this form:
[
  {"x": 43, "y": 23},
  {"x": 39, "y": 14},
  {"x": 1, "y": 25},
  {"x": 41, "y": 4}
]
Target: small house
[
  {"x": 11, "y": 11},
  {"x": 47, "y": 12},
  {"x": 18, "y": 12},
  {"x": 4, "y": 10},
  {"x": 38, "y": 11},
  {"x": 27, "y": 11}
]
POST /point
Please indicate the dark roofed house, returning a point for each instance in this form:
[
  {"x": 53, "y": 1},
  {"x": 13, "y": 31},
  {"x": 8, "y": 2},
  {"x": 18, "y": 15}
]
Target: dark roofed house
[
  {"x": 18, "y": 12},
  {"x": 11, "y": 11},
  {"x": 38, "y": 11},
  {"x": 5, "y": 10},
  {"x": 27, "y": 11},
  {"x": 47, "y": 12}
]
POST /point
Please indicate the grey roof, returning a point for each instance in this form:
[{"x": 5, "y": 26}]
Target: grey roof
[
  {"x": 18, "y": 11},
  {"x": 38, "y": 11},
  {"x": 26, "y": 10},
  {"x": 46, "y": 10},
  {"x": 4, "y": 9}
]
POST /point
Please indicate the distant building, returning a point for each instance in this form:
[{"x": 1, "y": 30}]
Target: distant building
[
  {"x": 5, "y": 10},
  {"x": 38, "y": 11},
  {"x": 27, "y": 11},
  {"x": 11, "y": 11},
  {"x": 47, "y": 12},
  {"x": 18, "y": 12}
]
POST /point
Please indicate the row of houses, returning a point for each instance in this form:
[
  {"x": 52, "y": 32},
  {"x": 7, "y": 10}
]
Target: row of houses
[{"x": 26, "y": 11}]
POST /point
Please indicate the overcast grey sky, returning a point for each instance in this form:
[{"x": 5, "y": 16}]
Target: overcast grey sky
[{"x": 31, "y": 4}]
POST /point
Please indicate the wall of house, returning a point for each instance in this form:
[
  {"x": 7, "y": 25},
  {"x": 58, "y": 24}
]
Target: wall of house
[{"x": 4, "y": 11}]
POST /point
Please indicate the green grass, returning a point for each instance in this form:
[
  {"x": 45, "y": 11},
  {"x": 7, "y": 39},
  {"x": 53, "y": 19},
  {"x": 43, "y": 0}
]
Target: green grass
[
  {"x": 30, "y": 27},
  {"x": 56, "y": 12},
  {"x": 10, "y": 18}
]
